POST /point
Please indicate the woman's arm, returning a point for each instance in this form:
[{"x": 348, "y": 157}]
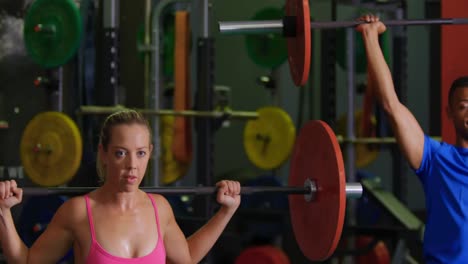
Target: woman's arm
[{"x": 192, "y": 250}]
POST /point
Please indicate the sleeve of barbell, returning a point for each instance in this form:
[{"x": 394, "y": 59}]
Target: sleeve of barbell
[
  {"x": 251, "y": 27},
  {"x": 353, "y": 190}
]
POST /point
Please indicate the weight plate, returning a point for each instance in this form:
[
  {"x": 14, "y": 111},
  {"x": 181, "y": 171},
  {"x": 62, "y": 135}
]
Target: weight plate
[{"x": 51, "y": 149}]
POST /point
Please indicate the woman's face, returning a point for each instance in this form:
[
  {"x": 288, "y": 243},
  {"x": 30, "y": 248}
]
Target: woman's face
[{"x": 127, "y": 154}]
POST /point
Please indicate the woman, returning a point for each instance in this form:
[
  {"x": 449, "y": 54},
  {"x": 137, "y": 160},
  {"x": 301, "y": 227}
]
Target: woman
[{"x": 118, "y": 222}]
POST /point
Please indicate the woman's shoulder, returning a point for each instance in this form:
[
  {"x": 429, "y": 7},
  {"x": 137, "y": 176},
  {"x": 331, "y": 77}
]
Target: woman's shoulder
[
  {"x": 73, "y": 207},
  {"x": 72, "y": 211},
  {"x": 159, "y": 199},
  {"x": 76, "y": 202},
  {"x": 162, "y": 204}
]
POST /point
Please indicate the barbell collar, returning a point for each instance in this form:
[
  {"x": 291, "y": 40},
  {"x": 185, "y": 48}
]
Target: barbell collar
[
  {"x": 276, "y": 26},
  {"x": 353, "y": 190}
]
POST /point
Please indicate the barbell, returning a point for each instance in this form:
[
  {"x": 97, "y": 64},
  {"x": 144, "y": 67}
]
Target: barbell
[
  {"x": 309, "y": 190},
  {"x": 296, "y": 27},
  {"x": 288, "y": 25},
  {"x": 317, "y": 185}
]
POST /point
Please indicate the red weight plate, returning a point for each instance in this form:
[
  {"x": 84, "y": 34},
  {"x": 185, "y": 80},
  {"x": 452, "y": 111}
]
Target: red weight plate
[
  {"x": 299, "y": 46},
  {"x": 318, "y": 224},
  {"x": 379, "y": 254},
  {"x": 262, "y": 255}
]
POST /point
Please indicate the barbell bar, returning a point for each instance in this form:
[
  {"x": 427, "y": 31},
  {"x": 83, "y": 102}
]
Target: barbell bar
[
  {"x": 279, "y": 26},
  {"x": 105, "y": 110},
  {"x": 353, "y": 190}
]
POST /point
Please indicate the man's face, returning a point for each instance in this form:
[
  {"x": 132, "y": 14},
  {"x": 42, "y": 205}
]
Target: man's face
[{"x": 458, "y": 111}]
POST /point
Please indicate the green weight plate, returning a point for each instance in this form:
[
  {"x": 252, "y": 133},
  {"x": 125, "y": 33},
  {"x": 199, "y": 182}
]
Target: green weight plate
[
  {"x": 267, "y": 50},
  {"x": 169, "y": 45},
  {"x": 140, "y": 40},
  {"x": 385, "y": 42},
  {"x": 52, "y": 31},
  {"x": 359, "y": 49}
]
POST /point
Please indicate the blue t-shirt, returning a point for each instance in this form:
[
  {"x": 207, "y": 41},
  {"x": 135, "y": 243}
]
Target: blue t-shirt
[{"x": 444, "y": 175}]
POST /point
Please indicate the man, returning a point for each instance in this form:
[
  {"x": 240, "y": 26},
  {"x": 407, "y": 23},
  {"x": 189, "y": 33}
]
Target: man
[{"x": 441, "y": 167}]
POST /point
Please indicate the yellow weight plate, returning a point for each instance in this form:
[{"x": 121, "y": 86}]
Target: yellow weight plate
[
  {"x": 51, "y": 149},
  {"x": 365, "y": 153},
  {"x": 171, "y": 169},
  {"x": 268, "y": 140}
]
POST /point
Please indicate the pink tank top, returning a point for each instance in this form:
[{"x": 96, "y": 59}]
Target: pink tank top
[{"x": 98, "y": 255}]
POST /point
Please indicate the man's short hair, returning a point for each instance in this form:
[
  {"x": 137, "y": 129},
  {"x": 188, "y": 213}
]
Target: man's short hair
[{"x": 458, "y": 83}]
